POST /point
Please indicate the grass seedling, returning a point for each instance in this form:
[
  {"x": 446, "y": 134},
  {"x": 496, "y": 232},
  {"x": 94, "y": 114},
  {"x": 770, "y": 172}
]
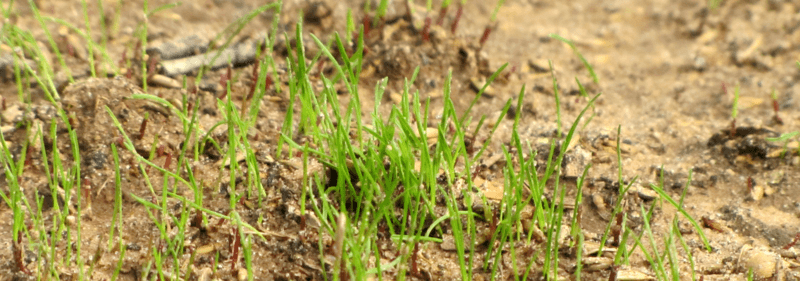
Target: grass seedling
[
  {"x": 142, "y": 47},
  {"x": 143, "y": 127},
  {"x": 785, "y": 138},
  {"x": 775, "y": 107},
  {"x": 427, "y": 25},
  {"x": 580, "y": 56},
  {"x": 558, "y": 102},
  {"x": 103, "y": 33},
  {"x": 350, "y": 27},
  {"x": 88, "y": 31},
  {"x": 442, "y": 12},
  {"x": 586, "y": 96},
  {"x": 230, "y": 32},
  {"x": 734, "y": 109},
  {"x": 53, "y": 46},
  {"x": 681, "y": 210},
  {"x": 618, "y": 217},
  {"x": 492, "y": 23},
  {"x": 225, "y": 81},
  {"x": 67, "y": 178},
  {"x": 380, "y": 13},
  {"x": 459, "y": 12}
]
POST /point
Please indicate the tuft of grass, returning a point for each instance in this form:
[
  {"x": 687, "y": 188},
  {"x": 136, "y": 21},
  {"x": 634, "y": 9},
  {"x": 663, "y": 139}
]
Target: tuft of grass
[
  {"x": 390, "y": 174},
  {"x": 785, "y": 138}
]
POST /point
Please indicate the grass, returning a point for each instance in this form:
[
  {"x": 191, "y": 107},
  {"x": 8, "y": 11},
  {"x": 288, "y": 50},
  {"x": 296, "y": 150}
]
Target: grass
[
  {"x": 734, "y": 108},
  {"x": 391, "y": 178},
  {"x": 784, "y": 137}
]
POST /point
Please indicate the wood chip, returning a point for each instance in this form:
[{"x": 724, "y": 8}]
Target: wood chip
[
  {"x": 205, "y": 249},
  {"x": 628, "y": 274},
  {"x": 164, "y": 81},
  {"x": 184, "y": 47},
  {"x": 239, "y": 55}
]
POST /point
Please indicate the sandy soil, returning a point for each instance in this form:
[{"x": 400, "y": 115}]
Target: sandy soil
[{"x": 661, "y": 67}]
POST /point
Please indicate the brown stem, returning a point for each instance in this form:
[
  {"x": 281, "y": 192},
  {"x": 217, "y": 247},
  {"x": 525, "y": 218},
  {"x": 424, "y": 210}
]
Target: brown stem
[
  {"x": 87, "y": 185},
  {"x": 775, "y": 108},
  {"x": 367, "y": 22},
  {"x": 442, "y": 12},
  {"x": 17, "y": 249},
  {"x": 151, "y": 66},
  {"x": 267, "y": 82},
  {"x": 794, "y": 241},
  {"x": 143, "y": 127},
  {"x": 617, "y": 229},
  {"x": 486, "y": 32},
  {"x": 414, "y": 270},
  {"x": 253, "y": 83},
  {"x": 458, "y": 18},
  {"x": 426, "y": 29},
  {"x": 223, "y": 81},
  {"x": 236, "y": 243},
  {"x": 160, "y": 151},
  {"x": 123, "y": 59},
  {"x": 168, "y": 162},
  {"x": 28, "y": 153}
]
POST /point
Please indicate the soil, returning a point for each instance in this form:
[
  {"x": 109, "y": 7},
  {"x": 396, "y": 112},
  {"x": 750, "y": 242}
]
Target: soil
[{"x": 667, "y": 72}]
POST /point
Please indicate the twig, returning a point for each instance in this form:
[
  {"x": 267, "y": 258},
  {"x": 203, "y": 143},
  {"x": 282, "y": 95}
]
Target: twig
[{"x": 184, "y": 47}]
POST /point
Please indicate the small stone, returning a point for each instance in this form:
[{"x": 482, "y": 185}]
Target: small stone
[
  {"x": 599, "y": 202},
  {"x": 776, "y": 177},
  {"x": 646, "y": 193},
  {"x": 490, "y": 189},
  {"x": 164, "y": 81},
  {"x": 757, "y": 192},
  {"x": 575, "y": 162},
  {"x": 564, "y": 235},
  {"x": 539, "y": 65},
  {"x": 133, "y": 247},
  {"x": 476, "y": 84},
  {"x": 593, "y": 263},
  {"x": 762, "y": 263},
  {"x": 396, "y": 98},
  {"x": 6, "y": 129},
  {"x": 769, "y": 190},
  {"x": 205, "y": 274},
  {"x": 312, "y": 221},
  {"x": 14, "y": 114},
  {"x": 699, "y": 63}
]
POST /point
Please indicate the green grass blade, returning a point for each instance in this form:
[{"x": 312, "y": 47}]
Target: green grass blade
[{"x": 580, "y": 56}]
